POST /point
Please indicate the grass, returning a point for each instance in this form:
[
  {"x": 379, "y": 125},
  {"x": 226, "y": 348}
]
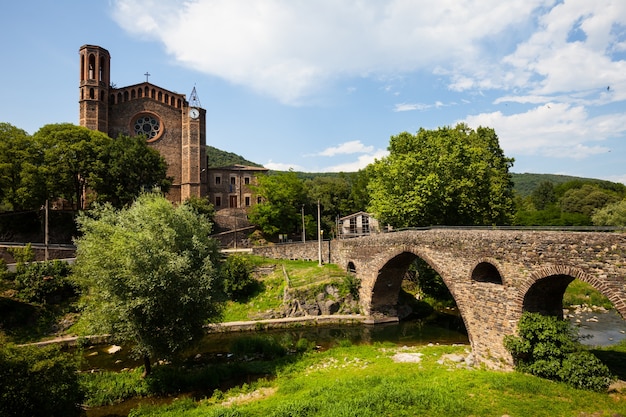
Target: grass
[
  {"x": 580, "y": 293},
  {"x": 269, "y": 296},
  {"x": 365, "y": 381}
]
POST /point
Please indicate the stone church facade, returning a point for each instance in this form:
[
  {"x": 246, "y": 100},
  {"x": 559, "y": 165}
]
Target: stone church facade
[{"x": 172, "y": 125}]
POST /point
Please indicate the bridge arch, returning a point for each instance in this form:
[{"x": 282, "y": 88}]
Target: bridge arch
[
  {"x": 544, "y": 289},
  {"x": 390, "y": 272}
]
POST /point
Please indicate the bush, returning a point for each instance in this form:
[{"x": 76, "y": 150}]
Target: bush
[
  {"x": 237, "y": 277},
  {"x": 549, "y": 348},
  {"x": 38, "y": 382},
  {"x": 45, "y": 282}
]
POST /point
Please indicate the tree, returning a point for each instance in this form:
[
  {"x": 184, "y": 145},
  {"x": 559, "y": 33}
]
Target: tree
[
  {"x": 70, "y": 155},
  {"x": 150, "y": 275},
  {"x": 128, "y": 167},
  {"x": 283, "y": 195},
  {"x": 543, "y": 195},
  {"x": 611, "y": 215},
  {"x": 586, "y": 199},
  {"x": 449, "y": 176},
  {"x": 20, "y": 183}
]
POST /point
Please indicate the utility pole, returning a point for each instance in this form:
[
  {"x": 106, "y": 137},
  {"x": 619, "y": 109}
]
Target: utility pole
[
  {"x": 46, "y": 232},
  {"x": 319, "y": 234},
  {"x": 303, "y": 226}
]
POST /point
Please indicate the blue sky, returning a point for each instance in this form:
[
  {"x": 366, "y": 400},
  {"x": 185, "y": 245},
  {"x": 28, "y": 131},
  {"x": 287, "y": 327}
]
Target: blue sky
[{"x": 321, "y": 85}]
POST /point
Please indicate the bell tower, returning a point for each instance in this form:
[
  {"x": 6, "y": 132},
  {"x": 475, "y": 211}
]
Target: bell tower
[{"x": 95, "y": 77}]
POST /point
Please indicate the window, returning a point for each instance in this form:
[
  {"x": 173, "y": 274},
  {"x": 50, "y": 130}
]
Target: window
[
  {"x": 365, "y": 221},
  {"x": 247, "y": 201},
  {"x": 218, "y": 180},
  {"x": 149, "y": 125},
  {"x": 246, "y": 180},
  {"x": 353, "y": 229},
  {"x": 218, "y": 201},
  {"x": 233, "y": 180}
]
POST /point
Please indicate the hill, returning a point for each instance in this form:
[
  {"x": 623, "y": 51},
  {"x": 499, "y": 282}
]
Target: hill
[
  {"x": 218, "y": 158},
  {"x": 524, "y": 183}
]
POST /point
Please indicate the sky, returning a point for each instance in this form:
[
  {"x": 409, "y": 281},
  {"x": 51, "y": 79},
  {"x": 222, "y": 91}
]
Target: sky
[{"x": 322, "y": 85}]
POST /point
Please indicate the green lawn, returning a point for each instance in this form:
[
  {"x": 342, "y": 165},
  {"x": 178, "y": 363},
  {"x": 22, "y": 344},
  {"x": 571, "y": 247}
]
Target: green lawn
[{"x": 365, "y": 381}]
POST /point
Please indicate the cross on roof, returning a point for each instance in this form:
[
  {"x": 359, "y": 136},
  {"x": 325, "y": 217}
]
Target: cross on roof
[{"x": 147, "y": 74}]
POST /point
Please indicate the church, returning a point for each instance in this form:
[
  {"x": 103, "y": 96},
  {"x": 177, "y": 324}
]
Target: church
[{"x": 172, "y": 125}]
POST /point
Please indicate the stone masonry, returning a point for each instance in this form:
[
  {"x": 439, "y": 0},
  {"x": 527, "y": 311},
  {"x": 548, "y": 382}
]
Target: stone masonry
[{"x": 494, "y": 275}]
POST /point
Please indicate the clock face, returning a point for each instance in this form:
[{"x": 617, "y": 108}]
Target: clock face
[{"x": 194, "y": 113}]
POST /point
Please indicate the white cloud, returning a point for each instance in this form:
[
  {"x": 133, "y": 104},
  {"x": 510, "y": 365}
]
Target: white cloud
[
  {"x": 290, "y": 49},
  {"x": 555, "y": 129},
  {"x": 280, "y": 166},
  {"x": 354, "y": 146},
  {"x": 360, "y": 163}
]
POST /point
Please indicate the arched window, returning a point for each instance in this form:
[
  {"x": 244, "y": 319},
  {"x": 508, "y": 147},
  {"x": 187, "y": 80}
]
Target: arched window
[
  {"x": 125, "y": 95},
  {"x": 82, "y": 67},
  {"x": 92, "y": 67},
  {"x": 153, "y": 93},
  {"x": 167, "y": 98},
  {"x": 139, "y": 92},
  {"x": 119, "y": 97},
  {"x": 112, "y": 98},
  {"x": 160, "y": 97},
  {"x": 101, "y": 70},
  {"x": 92, "y": 93},
  {"x": 132, "y": 94},
  {"x": 486, "y": 272}
]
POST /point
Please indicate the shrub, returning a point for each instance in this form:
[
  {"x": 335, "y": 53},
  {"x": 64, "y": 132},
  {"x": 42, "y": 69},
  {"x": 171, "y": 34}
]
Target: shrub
[
  {"x": 549, "y": 348},
  {"x": 237, "y": 277},
  {"x": 45, "y": 282},
  {"x": 38, "y": 382}
]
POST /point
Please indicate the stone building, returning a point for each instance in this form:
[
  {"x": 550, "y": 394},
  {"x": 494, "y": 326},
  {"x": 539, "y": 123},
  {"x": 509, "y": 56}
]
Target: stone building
[
  {"x": 230, "y": 186},
  {"x": 172, "y": 125}
]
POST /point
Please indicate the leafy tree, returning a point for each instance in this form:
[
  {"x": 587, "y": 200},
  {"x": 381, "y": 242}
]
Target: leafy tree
[
  {"x": 20, "y": 181},
  {"x": 127, "y": 166},
  {"x": 611, "y": 215},
  {"x": 359, "y": 196},
  {"x": 70, "y": 155},
  {"x": 548, "y": 347},
  {"x": 333, "y": 193},
  {"x": 36, "y": 381},
  {"x": 201, "y": 206},
  {"x": 586, "y": 199},
  {"x": 150, "y": 275},
  {"x": 543, "y": 195},
  {"x": 451, "y": 176},
  {"x": 283, "y": 195}
]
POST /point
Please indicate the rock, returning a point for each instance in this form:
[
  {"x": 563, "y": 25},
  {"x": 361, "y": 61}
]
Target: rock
[
  {"x": 407, "y": 357},
  {"x": 453, "y": 357},
  {"x": 113, "y": 349}
]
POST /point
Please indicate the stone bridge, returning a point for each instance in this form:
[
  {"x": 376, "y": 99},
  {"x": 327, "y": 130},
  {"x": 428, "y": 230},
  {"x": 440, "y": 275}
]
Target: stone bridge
[{"x": 494, "y": 275}]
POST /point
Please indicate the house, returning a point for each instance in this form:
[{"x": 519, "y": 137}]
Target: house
[
  {"x": 231, "y": 186},
  {"x": 357, "y": 224}
]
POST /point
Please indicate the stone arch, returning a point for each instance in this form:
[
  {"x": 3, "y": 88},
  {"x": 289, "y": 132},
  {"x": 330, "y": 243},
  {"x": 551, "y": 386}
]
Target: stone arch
[
  {"x": 486, "y": 270},
  {"x": 351, "y": 267},
  {"x": 543, "y": 290},
  {"x": 391, "y": 268}
]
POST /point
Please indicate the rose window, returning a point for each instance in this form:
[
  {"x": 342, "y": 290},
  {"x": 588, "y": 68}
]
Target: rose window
[{"x": 147, "y": 125}]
